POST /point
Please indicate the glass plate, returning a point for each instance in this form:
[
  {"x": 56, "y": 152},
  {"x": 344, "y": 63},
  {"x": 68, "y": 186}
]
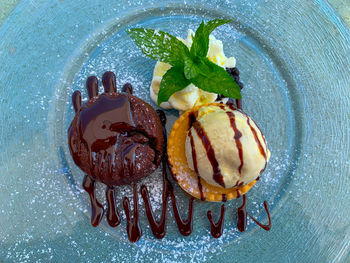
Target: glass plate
[{"x": 294, "y": 58}]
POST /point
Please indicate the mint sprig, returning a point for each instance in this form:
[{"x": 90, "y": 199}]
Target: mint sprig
[
  {"x": 160, "y": 45},
  {"x": 188, "y": 65}
]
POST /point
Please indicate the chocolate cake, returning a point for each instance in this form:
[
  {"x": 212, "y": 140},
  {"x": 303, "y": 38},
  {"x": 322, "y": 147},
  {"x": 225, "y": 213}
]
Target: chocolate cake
[{"x": 115, "y": 138}]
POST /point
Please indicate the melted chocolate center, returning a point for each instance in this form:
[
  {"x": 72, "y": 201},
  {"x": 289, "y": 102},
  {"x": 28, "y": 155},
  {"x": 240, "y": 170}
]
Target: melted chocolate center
[{"x": 100, "y": 123}]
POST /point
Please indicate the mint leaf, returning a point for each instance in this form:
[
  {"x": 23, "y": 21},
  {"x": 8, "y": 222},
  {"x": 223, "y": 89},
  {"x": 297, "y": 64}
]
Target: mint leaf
[
  {"x": 160, "y": 45},
  {"x": 212, "y": 24},
  {"x": 200, "y": 44},
  {"x": 173, "y": 81},
  {"x": 216, "y": 80},
  {"x": 191, "y": 69}
]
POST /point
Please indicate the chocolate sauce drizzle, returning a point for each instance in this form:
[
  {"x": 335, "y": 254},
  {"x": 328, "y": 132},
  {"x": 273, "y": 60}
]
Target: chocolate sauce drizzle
[
  {"x": 217, "y": 176},
  {"x": 158, "y": 228},
  {"x": 109, "y": 82},
  {"x": 237, "y": 137},
  {"x": 261, "y": 148},
  {"x": 265, "y": 227},
  {"x": 97, "y": 209},
  {"x": 224, "y": 198},
  {"x": 216, "y": 229},
  {"x": 195, "y": 165},
  {"x": 125, "y": 121},
  {"x": 113, "y": 217},
  {"x": 133, "y": 226},
  {"x": 185, "y": 226},
  {"x": 128, "y": 157},
  {"x": 192, "y": 119},
  {"x": 242, "y": 217}
]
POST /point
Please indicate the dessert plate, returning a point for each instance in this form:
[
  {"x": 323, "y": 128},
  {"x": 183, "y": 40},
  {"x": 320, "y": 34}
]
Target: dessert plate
[{"x": 294, "y": 59}]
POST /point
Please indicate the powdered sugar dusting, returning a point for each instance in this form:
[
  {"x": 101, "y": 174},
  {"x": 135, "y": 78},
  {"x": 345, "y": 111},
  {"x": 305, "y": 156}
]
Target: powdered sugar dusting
[{"x": 49, "y": 207}]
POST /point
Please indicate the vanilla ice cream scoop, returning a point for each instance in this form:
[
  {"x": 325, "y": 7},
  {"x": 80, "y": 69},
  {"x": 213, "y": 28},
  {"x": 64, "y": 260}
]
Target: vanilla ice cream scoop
[{"x": 225, "y": 147}]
